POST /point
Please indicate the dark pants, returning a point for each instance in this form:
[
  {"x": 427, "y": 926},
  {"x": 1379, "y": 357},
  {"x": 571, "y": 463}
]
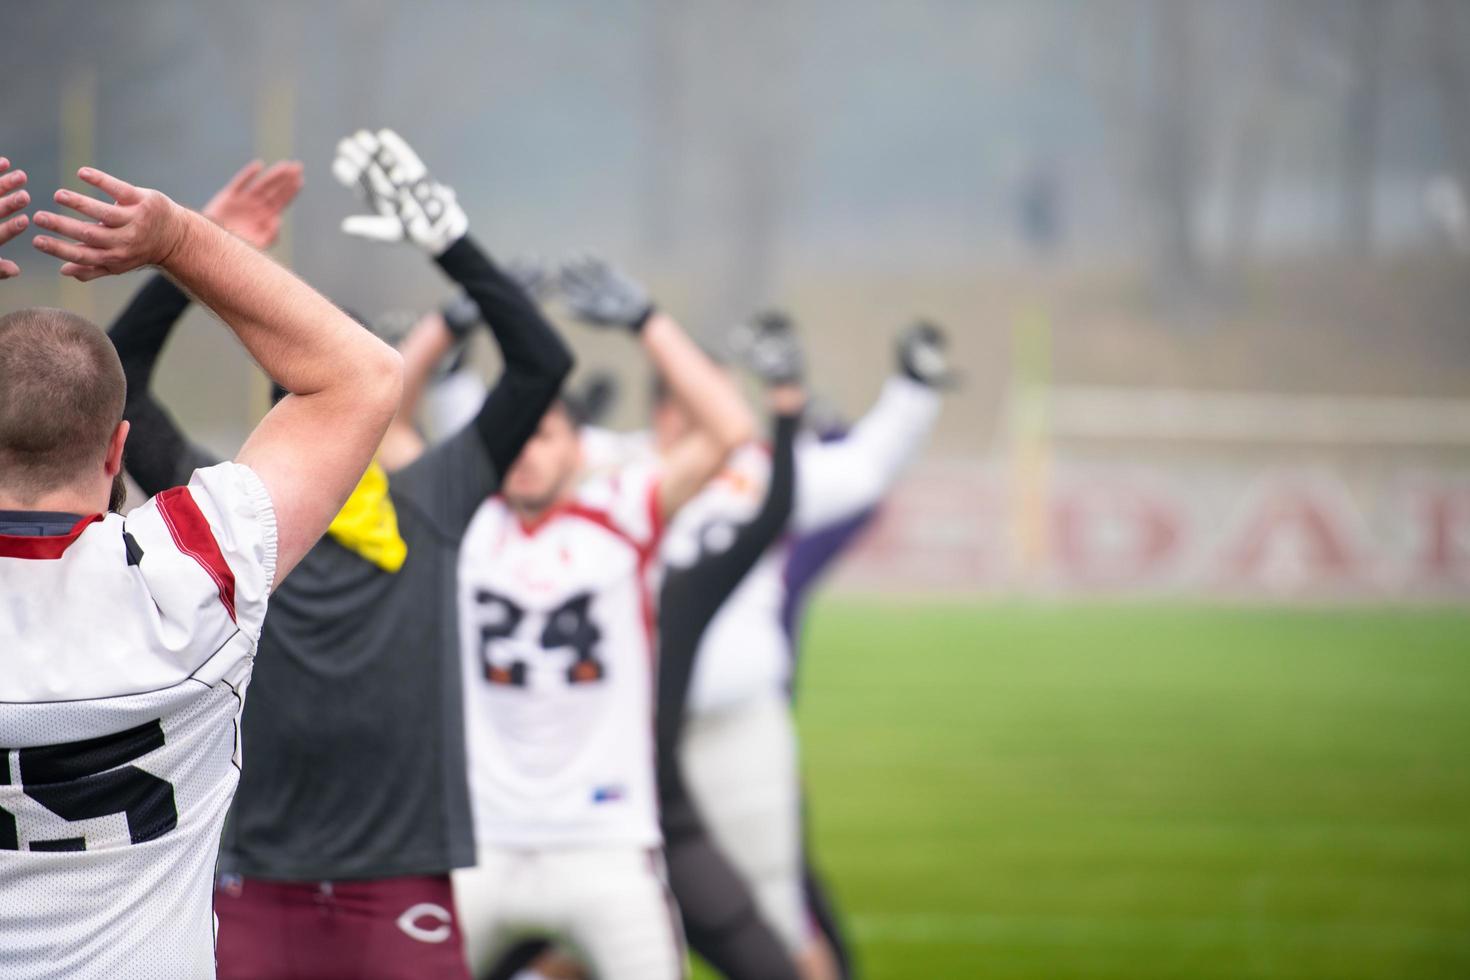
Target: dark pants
[
  {"x": 720, "y": 917},
  {"x": 389, "y": 929}
]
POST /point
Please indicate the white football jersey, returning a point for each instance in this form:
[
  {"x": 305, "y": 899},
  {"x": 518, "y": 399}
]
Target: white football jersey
[
  {"x": 125, "y": 648},
  {"x": 745, "y": 652},
  {"x": 556, "y": 622}
]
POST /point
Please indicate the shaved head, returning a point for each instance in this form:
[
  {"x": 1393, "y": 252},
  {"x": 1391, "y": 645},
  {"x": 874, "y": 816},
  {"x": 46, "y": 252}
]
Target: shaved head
[{"x": 61, "y": 399}]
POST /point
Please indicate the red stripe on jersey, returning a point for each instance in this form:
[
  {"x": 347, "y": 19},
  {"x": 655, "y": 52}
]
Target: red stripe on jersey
[
  {"x": 655, "y": 515},
  {"x": 44, "y": 547},
  {"x": 191, "y": 533},
  {"x": 656, "y": 523},
  {"x": 646, "y": 553},
  {"x": 530, "y": 527},
  {"x": 603, "y": 520},
  {"x": 646, "y": 550}
]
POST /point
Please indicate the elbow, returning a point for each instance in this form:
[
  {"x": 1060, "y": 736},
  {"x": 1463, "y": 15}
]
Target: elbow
[
  {"x": 382, "y": 383},
  {"x": 546, "y": 377},
  {"x": 560, "y": 365},
  {"x": 742, "y": 425},
  {"x": 736, "y": 432},
  {"x": 551, "y": 365}
]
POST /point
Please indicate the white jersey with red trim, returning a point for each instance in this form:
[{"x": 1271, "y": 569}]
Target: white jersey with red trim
[
  {"x": 745, "y": 652},
  {"x": 125, "y": 648},
  {"x": 556, "y": 622}
]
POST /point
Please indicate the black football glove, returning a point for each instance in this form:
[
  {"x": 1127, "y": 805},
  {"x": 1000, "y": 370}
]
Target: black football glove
[
  {"x": 532, "y": 274},
  {"x": 461, "y": 316},
  {"x": 923, "y": 355},
  {"x": 768, "y": 348},
  {"x": 592, "y": 400},
  {"x": 598, "y": 294}
]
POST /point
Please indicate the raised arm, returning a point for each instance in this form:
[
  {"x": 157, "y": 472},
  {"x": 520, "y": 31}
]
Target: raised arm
[
  {"x": 159, "y": 454},
  {"x": 722, "y": 421},
  {"x": 409, "y": 205},
  {"x": 424, "y": 347},
  {"x": 13, "y": 198},
  {"x": 839, "y": 480},
  {"x": 698, "y": 592},
  {"x": 691, "y": 595},
  {"x": 313, "y": 447},
  {"x": 434, "y": 337},
  {"x": 537, "y": 360}
]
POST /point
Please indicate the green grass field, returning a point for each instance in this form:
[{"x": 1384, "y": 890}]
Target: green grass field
[{"x": 1143, "y": 792}]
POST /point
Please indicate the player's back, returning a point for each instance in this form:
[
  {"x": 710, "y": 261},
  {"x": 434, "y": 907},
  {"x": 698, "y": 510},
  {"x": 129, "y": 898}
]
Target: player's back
[{"x": 125, "y": 648}]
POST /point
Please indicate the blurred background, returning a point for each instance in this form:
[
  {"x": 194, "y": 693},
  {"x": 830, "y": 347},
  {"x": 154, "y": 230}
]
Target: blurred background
[{"x": 1171, "y": 671}]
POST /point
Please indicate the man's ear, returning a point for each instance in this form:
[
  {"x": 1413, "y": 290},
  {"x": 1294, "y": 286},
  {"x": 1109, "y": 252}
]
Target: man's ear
[{"x": 114, "y": 461}]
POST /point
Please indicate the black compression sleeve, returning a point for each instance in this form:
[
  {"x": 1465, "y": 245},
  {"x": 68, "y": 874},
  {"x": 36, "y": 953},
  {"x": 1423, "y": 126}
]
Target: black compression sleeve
[
  {"x": 537, "y": 361},
  {"x": 143, "y": 327},
  {"x": 158, "y": 456},
  {"x": 691, "y": 596},
  {"x": 718, "y": 909}
]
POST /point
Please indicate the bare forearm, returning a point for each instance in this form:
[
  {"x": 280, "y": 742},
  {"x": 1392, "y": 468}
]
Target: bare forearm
[
  {"x": 294, "y": 333},
  {"x": 311, "y": 449},
  {"x": 698, "y": 383},
  {"x": 422, "y": 350},
  {"x": 786, "y": 399}
]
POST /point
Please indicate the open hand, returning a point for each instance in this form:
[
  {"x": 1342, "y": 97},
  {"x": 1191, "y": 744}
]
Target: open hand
[
  {"x": 251, "y": 204},
  {"x": 142, "y": 228},
  {"x": 13, "y": 197}
]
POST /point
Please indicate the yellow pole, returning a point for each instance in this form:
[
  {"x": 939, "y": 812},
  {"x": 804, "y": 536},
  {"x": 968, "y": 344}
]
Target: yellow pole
[
  {"x": 1030, "y": 440},
  {"x": 78, "y": 149},
  {"x": 275, "y": 112}
]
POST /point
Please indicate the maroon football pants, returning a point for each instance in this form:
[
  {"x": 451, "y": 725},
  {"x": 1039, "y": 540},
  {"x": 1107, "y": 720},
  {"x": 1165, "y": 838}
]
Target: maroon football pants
[{"x": 388, "y": 929}]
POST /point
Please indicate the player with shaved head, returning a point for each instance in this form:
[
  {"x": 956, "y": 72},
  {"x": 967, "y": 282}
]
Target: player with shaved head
[{"x": 127, "y": 642}]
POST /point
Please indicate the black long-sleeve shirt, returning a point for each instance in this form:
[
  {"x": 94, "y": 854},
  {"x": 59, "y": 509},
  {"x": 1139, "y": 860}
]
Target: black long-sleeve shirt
[
  {"x": 689, "y": 599},
  {"x": 353, "y": 732},
  {"x": 715, "y": 902}
]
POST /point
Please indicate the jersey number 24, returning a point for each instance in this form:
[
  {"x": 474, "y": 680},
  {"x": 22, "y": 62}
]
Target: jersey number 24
[{"x": 568, "y": 625}]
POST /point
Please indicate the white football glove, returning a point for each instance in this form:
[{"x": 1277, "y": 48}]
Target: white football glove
[{"x": 393, "y": 181}]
